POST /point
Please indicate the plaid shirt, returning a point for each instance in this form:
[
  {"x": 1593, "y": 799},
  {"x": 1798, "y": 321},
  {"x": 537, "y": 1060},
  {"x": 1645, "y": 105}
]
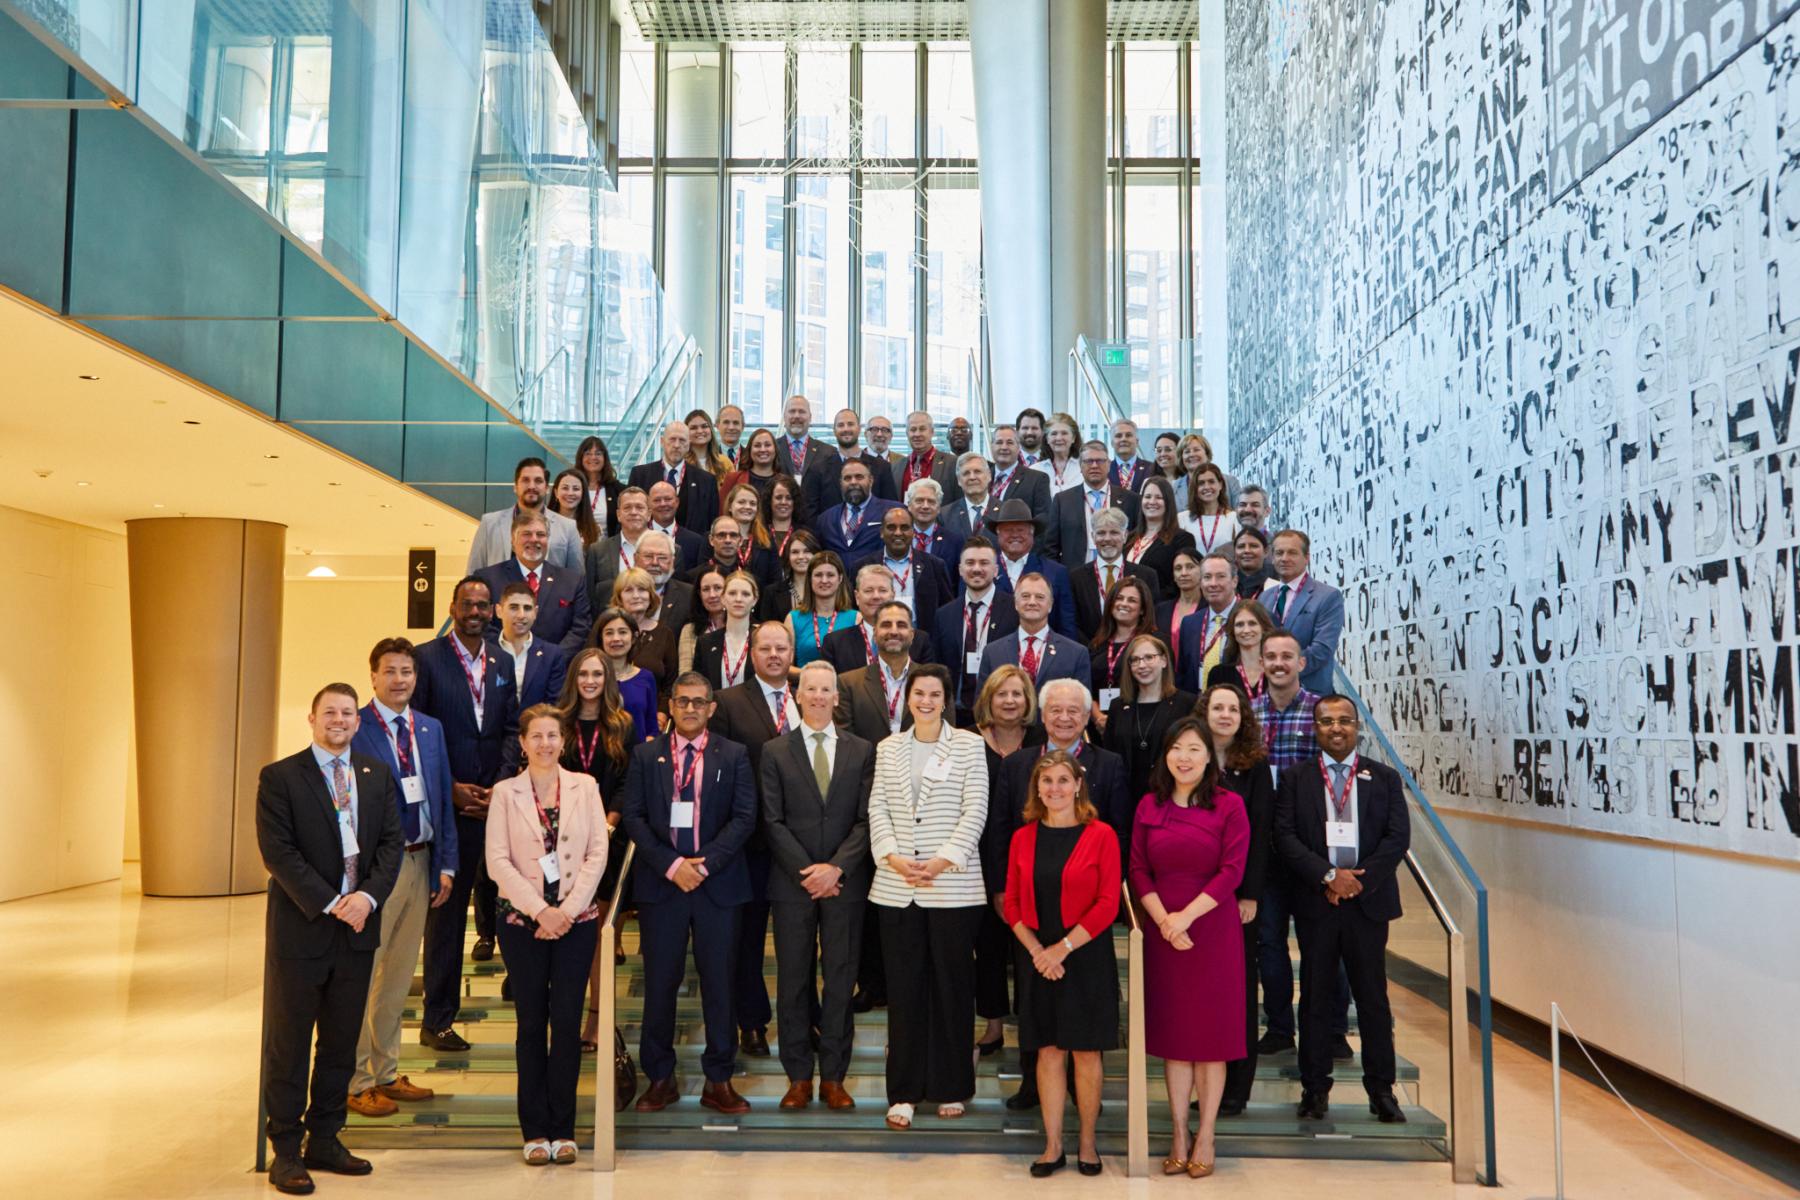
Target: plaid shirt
[{"x": 1288, "y": 733}]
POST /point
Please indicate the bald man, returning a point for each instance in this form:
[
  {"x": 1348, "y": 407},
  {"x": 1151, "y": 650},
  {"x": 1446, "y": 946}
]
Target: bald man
[{"x": 697, "y": 492}]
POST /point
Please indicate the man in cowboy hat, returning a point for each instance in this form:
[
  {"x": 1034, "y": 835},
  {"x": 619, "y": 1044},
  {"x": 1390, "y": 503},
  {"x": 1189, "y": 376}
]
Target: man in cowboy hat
[{"x": 1015, "y": 528}]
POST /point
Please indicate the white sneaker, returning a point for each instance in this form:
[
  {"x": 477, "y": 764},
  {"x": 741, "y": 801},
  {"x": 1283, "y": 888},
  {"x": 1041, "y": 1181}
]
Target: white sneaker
[{"x": 537, "y": 1153}]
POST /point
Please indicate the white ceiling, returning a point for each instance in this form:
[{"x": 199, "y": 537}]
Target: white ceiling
[
  {"x": 141, "y": 441},
  {"x": 874, "y": 20}
]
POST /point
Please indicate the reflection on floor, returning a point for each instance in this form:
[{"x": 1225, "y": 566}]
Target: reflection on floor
[{"x": 128, "y": 1044}]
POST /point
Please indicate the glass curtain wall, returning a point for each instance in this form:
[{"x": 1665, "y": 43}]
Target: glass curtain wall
[{"x": 840, "y": 185}]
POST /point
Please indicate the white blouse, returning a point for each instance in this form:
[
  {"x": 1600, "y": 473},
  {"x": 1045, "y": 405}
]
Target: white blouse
[{"x": 943, "y": 819}]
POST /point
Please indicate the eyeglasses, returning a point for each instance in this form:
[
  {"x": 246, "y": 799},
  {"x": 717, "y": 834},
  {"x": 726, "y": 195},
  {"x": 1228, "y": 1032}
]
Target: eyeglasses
[
  {"x": 689, "y": 702},
  {"x": 1138, "y": 660}
]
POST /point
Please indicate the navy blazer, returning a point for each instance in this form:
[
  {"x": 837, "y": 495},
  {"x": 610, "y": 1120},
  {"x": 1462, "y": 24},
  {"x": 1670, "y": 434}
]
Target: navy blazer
[
  {"x": 1062, "y": 593},
  {"x": 563, "y": 615},
  {"x": 727, "y": 817},
  {"x": 1141, "y": 469},
  {"x": 1383, "y": 833},
  {"x": 479, "y": 754},
  {"x": 1061, "y": 658},
  {"x": 545, "y": 666},
  {"x": 1315, "y": 615},
  {"x": 946, "y": 545},
  {"x": 433, "y": 766},
  {"x": 950, "y": 626},
  {"x": 864, "y": 544},
  {"x": 696, "y": 500}
]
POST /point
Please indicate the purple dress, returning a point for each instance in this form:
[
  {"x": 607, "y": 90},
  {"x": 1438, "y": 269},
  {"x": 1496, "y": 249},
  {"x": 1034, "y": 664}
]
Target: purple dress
[
  {"x": 1193, "y": 999},
  {"x": 639, "y": 695}
]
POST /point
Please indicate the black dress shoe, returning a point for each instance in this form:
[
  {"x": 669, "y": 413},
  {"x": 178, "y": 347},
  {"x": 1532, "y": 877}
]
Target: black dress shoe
[
  {"x": 1043, "y": 1170},
  {"x": 1088, "y": 1168},
  {"x": 484, "y": 949},
  {"x": 754, "y": 1042},
  {"x": 863, "y": 1002},
  {"x": 506, "y": 987},
  {"x": 288, "y": 1174},
  {"x": 1274, "y": 1043},
  {"x": 1340, "y": 1048},
  {"x": 1231, "y": 1108},
  {"x": 1313, "y": 1106},
  {"x": 442, "y": 1039},
  {"x": 1387, "y": 1109},
  {"x": 989, "y": 1049},
  {"x": 329, "y": 1154},
  {"x": 1023, "y": 1100}
]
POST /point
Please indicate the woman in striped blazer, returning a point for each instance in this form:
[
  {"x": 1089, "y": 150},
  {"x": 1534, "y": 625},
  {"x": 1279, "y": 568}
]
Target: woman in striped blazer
[{"x": 926, "y": 813}]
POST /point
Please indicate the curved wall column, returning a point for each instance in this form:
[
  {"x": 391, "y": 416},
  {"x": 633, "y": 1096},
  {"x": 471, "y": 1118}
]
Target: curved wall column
[{"x": 205, "y": 597}]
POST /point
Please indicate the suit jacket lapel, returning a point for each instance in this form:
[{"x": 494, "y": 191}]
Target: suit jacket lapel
[
  {"x": 315, "y": 779},
  {"x": 759, "y": 703}
]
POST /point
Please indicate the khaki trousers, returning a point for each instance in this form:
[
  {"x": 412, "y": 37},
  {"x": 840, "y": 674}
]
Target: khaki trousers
[{"x": 402, "y": 933}]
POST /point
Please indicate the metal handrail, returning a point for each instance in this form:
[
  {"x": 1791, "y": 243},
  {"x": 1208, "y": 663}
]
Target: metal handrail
[
  {"x": 1081, "y": 371},
  {"x": 606, "y": 1117},
  {"x": 1137, "y": 1078},
  {"x": 984, "y": 407},
  {"x": 518, "y": 405},
  {"x": 664, "y": 396}
]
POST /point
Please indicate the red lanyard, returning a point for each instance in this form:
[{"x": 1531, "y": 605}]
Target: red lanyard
[
  {"x": 477, "y": 679},
  {"x": 624, "y": 555},
  {"x": 732, "y": 673},
  {"x": 781, "y": 703},
  {"x": 1215, "y": 630},
  {"x": 1000, "y": 481},
  {"x": 698, "y": 745},
  {"x": 851, "y": 529},
  {"x": 1138, "y": 548},
  {"x": 543, "y": 819},
  {"x": 987, "y": 621},
  {"x": 1056, "y": 472},
  {"x": 781, "y": 550},
  {"x": 900, "y": 579},
  {"x": 893, "y": 698},
  {"x": 830, "y": 627},
  {"x": 1212, "y": 536},
  {"x": 1113, "y": 651},
  {"x": 1339, "y": 804},
  {"x": 868, "y": 639},
  {"x": 584, "y": 747}
]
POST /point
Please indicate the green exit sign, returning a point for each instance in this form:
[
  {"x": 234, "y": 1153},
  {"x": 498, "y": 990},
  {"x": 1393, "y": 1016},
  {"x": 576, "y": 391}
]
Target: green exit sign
[{"x": 1112, "y": 356}]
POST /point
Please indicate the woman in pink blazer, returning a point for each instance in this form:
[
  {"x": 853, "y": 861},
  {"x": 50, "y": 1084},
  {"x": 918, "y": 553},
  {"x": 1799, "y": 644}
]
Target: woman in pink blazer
[{"x": 546, "y": 851}]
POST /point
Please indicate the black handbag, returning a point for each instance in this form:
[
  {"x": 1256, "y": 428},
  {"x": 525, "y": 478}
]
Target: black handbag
[{"x": 624, "y": 1073}]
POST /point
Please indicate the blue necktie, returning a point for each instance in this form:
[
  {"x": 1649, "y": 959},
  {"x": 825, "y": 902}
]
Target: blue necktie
[
  {"x": 690, "y": 787},
  {"x": 410, "y": 816}
]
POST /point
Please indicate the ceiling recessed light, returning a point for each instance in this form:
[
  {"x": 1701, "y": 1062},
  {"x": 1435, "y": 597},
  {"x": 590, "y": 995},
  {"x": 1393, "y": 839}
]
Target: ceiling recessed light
[
  {"x": 271, "y": 456},
  {"x": 89, "y": 378},
  {"x": 82, "y": 483},
  {"x": 321, "y": 572},
  {"x": 387, "y": 506},
  {"x": 156, "y": 506},
  {"x": 334, "y": 483},
  {"x": 190, "y": 422}
]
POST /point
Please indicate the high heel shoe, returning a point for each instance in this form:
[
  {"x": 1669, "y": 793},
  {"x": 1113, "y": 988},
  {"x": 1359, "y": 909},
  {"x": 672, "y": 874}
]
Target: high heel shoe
[
  {"x": 1175, "y": 1166},
  {"x": 1198, "y": 1170},
  {"x": 989, "y": 1049},
  {"x": 591, "y": 1045}
]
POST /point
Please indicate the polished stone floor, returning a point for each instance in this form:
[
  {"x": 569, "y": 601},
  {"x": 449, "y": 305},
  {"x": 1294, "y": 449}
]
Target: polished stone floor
[{"x": 128, "y": 1041}]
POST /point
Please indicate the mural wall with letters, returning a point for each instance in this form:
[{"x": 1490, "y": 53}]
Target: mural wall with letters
[{"x": 1516, "y": 334}]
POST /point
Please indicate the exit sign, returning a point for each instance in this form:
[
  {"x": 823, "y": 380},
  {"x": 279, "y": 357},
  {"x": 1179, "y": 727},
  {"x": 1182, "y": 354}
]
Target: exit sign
[{"x": 1112, "y": 356}]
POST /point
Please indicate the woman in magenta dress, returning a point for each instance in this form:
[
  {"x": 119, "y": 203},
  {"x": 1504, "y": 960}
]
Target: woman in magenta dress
[{"x": 1188, "y": 847}]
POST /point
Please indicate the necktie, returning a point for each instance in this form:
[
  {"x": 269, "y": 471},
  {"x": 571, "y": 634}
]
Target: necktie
[
  {"x": 403, "y": 745},
  {"x": 531, "y": 581},
  {"x": 780, "y": 704},
  {"x": 669, "y": 475},
  {"x": 411, "y": 819},
  {"x": 1109, "y": 577},
  {"x": 797, "y": 454},
  {"x": 1029, "y": 660},
  {"x": 340, "y": 796},
  {"x": 970, "y": 646},
  {"x": 1341, "y": 856},
  {"x": 1096, "y": 500},
  {"x": 821, "y": 765},
  {"x": 688, "y": 788},
  {"x": 921, "y": 543},
  {"x": 1281, "y": 602}
]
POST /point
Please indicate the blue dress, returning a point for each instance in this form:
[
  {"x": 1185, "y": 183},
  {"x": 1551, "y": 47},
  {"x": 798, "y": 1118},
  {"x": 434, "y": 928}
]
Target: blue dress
[
  {"x": 639, "y": 694},
  {"x": 810, "y": 630}
]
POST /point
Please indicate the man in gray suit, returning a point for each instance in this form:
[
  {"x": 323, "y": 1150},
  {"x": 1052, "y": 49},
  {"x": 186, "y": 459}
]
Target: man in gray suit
[
  {"x": 815, "y": 802},
  {"x": 1012, "y": 479},
  {"x": 493, "y": 537},
  {"x": 1044, "y": 653},
  {"x": 610, "y": 555},
  {"x": 926, "y": 461}
]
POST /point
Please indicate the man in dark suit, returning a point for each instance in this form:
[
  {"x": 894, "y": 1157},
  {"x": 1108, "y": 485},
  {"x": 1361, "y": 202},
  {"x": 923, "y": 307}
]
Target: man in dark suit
[
  {"x": 964, "y": 513},
  {"x": 753, "y": 714},
  {"x": 848, "y": 649},
  {"x": 1013, "y": 479},
  {"x": 690, "y": 547},
  {"x": 852, "y": 530},
  {"x": 1044, "y": 653},
  {"x": 796, "y": 449},
  {"x": 924, "y": 501},
  {"x": 1093, "y": 582},
  {"x": 411, "y": 746},
  {"x": 815, "y": 803},
  {"x": 538, "y": 666},
  {"x": 920, "y": 580},
  {"x": 822, "y": 488},
  {"x": 1310, "y": 609},
  {"x": 1015, "y": 532},
  {"x": 966, "y": 625},
  {"x": 1072, "y": 510},
  {"x": 1067, "y": 708},
  {"x": 689, "y": 807},
  {"x": 611, "y": 555},
  {"x": 697, "y": 493},
  {"x": 468, "y": 686},
  {"x": 726, "y": 538},
  {"x": 871, "y": 703},
  {"x": 563, "y": 615},
  {"x": 1343, "y": 831},
  {"x": 925, "y": 460},
  {"x": 328, "y": 827},
  {"x": 1129, "y": 469},
  {"x": 656, "y": 554}
]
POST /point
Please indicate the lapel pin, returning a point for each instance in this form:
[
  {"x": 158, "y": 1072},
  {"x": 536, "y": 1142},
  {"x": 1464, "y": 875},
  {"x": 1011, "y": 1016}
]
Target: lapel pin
[
  {"x": 661, "y": 759},
  {"x": 1364, "y": 775},
  {"x": 365, "y": 770}
]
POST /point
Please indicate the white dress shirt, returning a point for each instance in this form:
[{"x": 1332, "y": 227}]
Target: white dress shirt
[
  {"x": 1326, "y": 762},
  {"x": 388, "y": 717},
  {"x": 906, "y": 583},
  {"x": 831, "y": 740},
  {"x": 780, "y": 701},
  {"x": 345, "y": 817}
]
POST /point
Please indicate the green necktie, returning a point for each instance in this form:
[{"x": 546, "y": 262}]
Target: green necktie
[
  {"x": 1281, "y": 598},
  {"x": 821, "y": 765}
]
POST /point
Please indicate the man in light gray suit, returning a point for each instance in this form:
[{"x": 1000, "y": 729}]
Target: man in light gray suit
[
  {"x": 610, "y": 555},
  {"x": 815, "y": 804},
  {"x": 1044, "y": 653},
  {"x": 493, "y": 537}
]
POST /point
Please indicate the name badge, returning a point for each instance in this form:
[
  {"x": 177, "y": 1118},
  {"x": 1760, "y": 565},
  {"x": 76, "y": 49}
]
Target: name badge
[
  {"x": 973, "y": 665},
  {"x": 413, "y": 788},
  {"x": 1340, "y": 834},
  {"x": 1107, "y": 696},
  {"x": 681, "y": 814},
  {"x": 937, "y": 769},
  {"x": 552, "y": 872},
  {"x": 347, "y": 835}
]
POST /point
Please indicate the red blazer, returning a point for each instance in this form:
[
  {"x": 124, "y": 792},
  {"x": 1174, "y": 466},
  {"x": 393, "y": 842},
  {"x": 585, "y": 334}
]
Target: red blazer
[{"x": 1090, "y": 881}]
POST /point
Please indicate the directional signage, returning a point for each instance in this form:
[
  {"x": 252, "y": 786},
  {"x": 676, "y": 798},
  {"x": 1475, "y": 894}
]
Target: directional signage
[{"x": 421, "y": 588}]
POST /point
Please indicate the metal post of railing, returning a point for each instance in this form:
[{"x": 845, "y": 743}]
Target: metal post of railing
[
  {"x": 606, "y": 1122},
  {"x": 1137, "y": 1083},
  {"x": 1556, "y": 1091},
  {"x": 1462, "y": 1146}
]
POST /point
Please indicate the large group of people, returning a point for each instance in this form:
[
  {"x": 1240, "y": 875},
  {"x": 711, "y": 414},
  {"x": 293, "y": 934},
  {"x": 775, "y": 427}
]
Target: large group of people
[{"x": 933, "y": 716}]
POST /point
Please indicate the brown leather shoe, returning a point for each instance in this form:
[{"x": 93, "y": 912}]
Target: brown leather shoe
[
  {"x": 722, "y": 1097},
  {"x": 405, "y": 1089},
  {"x": 799, "y": 1094},
  {"x": 371, "y": 1103},
  {"x": 834, "y": 1095},
  {"x": 659, "y": 1095}
]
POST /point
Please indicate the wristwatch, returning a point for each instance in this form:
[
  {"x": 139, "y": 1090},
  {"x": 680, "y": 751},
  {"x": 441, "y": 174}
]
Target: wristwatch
[
  {"x": 1068, "y": 945},
  {"x": 1330, "y": 874}
]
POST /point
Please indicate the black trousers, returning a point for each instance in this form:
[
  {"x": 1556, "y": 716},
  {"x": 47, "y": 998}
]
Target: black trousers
[
  {"x": 929, "y": 954},
  {"x": 1241, "y": 1073},
  {"x": 749, "y": 991},
  {"x": 664, "y": 927},
  {"x": 994, "y": 944},
  {"x": 821, "y": 937},
  {"x": 549, "y": 986},
  {"x": 446, "y": 925},
  {"x": 871, "y": 969},
  {"x": 300, "y": 996},
  {"x": 1343, "y": 935}
]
